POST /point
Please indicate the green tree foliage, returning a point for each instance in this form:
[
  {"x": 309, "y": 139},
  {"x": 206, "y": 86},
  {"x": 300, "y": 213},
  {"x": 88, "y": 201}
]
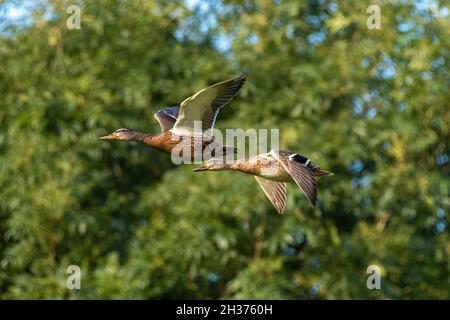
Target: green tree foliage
[{"x": 370, "y": 105}]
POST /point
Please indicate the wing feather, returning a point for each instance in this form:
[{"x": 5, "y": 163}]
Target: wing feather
[
  {"x": 301, "y": 174},
  {"x": 167, "y": 117},
  {"x": 205, "y": 105},
  {"x": 275, "y": 191}
]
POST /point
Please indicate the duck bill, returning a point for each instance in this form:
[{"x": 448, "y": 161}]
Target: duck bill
[
  {"x": 200, "y": 169},
  {"x": 109, "y": 137}
]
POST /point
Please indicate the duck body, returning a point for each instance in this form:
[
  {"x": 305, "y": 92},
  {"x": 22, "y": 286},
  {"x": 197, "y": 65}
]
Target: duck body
[
  {"x": 268, "y": 167},
  {"x": 167, "y": 141},
  {"x": 262, "y": 166}
]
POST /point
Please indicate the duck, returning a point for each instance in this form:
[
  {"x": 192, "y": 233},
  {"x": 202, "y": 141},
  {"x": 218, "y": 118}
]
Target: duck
[
  {"x": 179, "y": 123},
  {"x": 272, "y": 171}
]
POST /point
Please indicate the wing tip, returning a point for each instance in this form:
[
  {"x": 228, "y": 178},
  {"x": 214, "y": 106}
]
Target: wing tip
[
  {"x": 313, "y": 198},
  {"x": 240, "y": 79}
]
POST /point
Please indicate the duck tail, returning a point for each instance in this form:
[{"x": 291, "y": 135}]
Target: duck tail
[{"x": 317, "y": 172}]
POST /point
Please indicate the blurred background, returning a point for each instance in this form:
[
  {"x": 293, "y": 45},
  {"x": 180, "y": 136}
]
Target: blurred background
[{"x": 370, "y": 105}]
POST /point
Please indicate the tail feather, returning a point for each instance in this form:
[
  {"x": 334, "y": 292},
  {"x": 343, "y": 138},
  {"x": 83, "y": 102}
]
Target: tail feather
[{"x": 317, "y": 172}]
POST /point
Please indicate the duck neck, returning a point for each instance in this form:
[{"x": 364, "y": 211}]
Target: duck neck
[
  {"x": 148, "y": 139},
  {"x": 138, "y": 136}
]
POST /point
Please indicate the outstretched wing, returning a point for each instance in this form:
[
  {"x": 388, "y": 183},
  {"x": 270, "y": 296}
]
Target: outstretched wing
[
  {"x": 275, "y": 191},
  {"x": 167, "y": 117},
  {"x": 205, "y": 105},
  {"x": 300, "y": 173}
]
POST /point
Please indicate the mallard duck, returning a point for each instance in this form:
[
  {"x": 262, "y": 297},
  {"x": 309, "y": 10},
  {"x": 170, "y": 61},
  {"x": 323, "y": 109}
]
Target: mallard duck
[
  {"x": 177, "y": 122},
  {"x": 272, "y": 170}
]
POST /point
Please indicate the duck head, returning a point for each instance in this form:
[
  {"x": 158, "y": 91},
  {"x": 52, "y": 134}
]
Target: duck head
[{"x": 123, "y": 134}]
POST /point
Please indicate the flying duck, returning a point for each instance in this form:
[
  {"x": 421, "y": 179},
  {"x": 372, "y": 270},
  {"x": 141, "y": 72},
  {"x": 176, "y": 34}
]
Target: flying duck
[
  {"x": 177, "y": 122},
  {"x": 272, "y": 171}
]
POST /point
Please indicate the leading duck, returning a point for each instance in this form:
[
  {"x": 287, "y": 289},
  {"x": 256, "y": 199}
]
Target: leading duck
[
  {"x": 272, "y": 170},
  {"x": 177, "y": 123}
]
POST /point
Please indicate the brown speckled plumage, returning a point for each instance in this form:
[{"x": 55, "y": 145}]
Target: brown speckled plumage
[
  {"x": 166, "y": 141},
  {"x": 262, "y": 167}
]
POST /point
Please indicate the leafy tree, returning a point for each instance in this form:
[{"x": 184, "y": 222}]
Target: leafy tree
[{"x": 370, "y": 105}]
